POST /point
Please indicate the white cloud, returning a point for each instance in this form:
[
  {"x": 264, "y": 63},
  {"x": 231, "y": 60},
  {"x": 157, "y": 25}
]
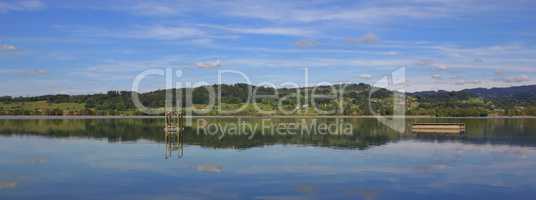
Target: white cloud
[
  {"x": 153, "y": 8},
  {"x": 117, "y": 68},
  {"x": 484, "y": 51},
  {"x": 432, "y": 63},
  {"x": 305, "y": 43},
  {"x": 424, "y": 62},
  {"x": 365, "y": 76},
  {"x": 155, "y": 32},
  {"x": 29, "y": 5},
  {"x": 168, "y": 33},
  {"x": 209, "y": 63},
  {"x": 289, "y": 31},
  {"x": 39, "y": 72},
  {"x": 468, "y": 82},
  {"x": 375, "y": 12},
  {"x": 391, "y": 53},
  {"x": 506, "y": 57},
  {"x": 436, "y": 76},
  {"x": 441, "y": 66},
  {"x": 7, "y": 47},
  {"x": 478, "y": 60},
  {"x": 199, "y": 33},
  {"x": 369, "y": 38},
  {"x": 501, "y": 77},
  {"x": 273, "y": 31},
  {"x": 24, "y": 72},
  {"x": 318, "y": 62},
  {"x": 307, "y": 12},
  {"x": 516, "y": 79}
]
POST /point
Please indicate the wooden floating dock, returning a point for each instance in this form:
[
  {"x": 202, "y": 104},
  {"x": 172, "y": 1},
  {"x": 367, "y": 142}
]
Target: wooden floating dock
[{"x": 454, "y": 128}]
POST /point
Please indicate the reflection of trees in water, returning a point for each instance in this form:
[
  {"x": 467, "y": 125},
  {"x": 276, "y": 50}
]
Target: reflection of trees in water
[{"x": 366, "y": 132}]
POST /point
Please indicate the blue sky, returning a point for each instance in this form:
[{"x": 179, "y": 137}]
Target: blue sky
[{"x": 77, "y": 47}]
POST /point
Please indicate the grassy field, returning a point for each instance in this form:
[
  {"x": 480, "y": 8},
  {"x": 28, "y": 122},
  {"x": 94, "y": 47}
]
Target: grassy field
[{"x": 41, "y": 107}]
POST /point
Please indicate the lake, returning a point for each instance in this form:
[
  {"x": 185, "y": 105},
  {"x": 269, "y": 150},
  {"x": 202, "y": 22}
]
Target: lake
[{"x": 247, "y": 159}]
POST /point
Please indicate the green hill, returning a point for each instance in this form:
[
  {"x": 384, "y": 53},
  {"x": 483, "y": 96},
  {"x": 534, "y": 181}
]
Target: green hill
[{"x": 355, "y": 101}]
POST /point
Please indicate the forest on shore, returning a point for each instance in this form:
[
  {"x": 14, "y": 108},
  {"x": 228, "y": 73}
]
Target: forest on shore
[{"x": 356, "y": 98}]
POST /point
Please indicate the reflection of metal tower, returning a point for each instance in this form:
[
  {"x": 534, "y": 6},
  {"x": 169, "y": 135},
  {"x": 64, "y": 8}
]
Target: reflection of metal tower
[
  {"x": 174, "y": 122},
  {"x": 174, "y": 144},
  {"x": 174, "y": 127}
]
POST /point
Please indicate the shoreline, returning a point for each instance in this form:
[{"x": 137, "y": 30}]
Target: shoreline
[{"x": 52, "y": 117}]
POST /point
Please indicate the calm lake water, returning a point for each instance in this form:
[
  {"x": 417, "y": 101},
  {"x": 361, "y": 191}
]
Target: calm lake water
[{"x": 130, "y": 159}]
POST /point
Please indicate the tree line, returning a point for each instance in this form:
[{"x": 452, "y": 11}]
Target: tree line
[{"x": 356, "y": 100}]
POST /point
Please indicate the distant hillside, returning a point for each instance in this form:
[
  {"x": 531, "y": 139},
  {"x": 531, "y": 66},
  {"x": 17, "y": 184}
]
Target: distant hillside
[
  {"x": 470, "y": 102},
  {"x": 232, "y": 97},
  {"x": 518, "y": 100},
  {"x": 503, "y": 97},
  {"x": 510, "y": 96}
]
